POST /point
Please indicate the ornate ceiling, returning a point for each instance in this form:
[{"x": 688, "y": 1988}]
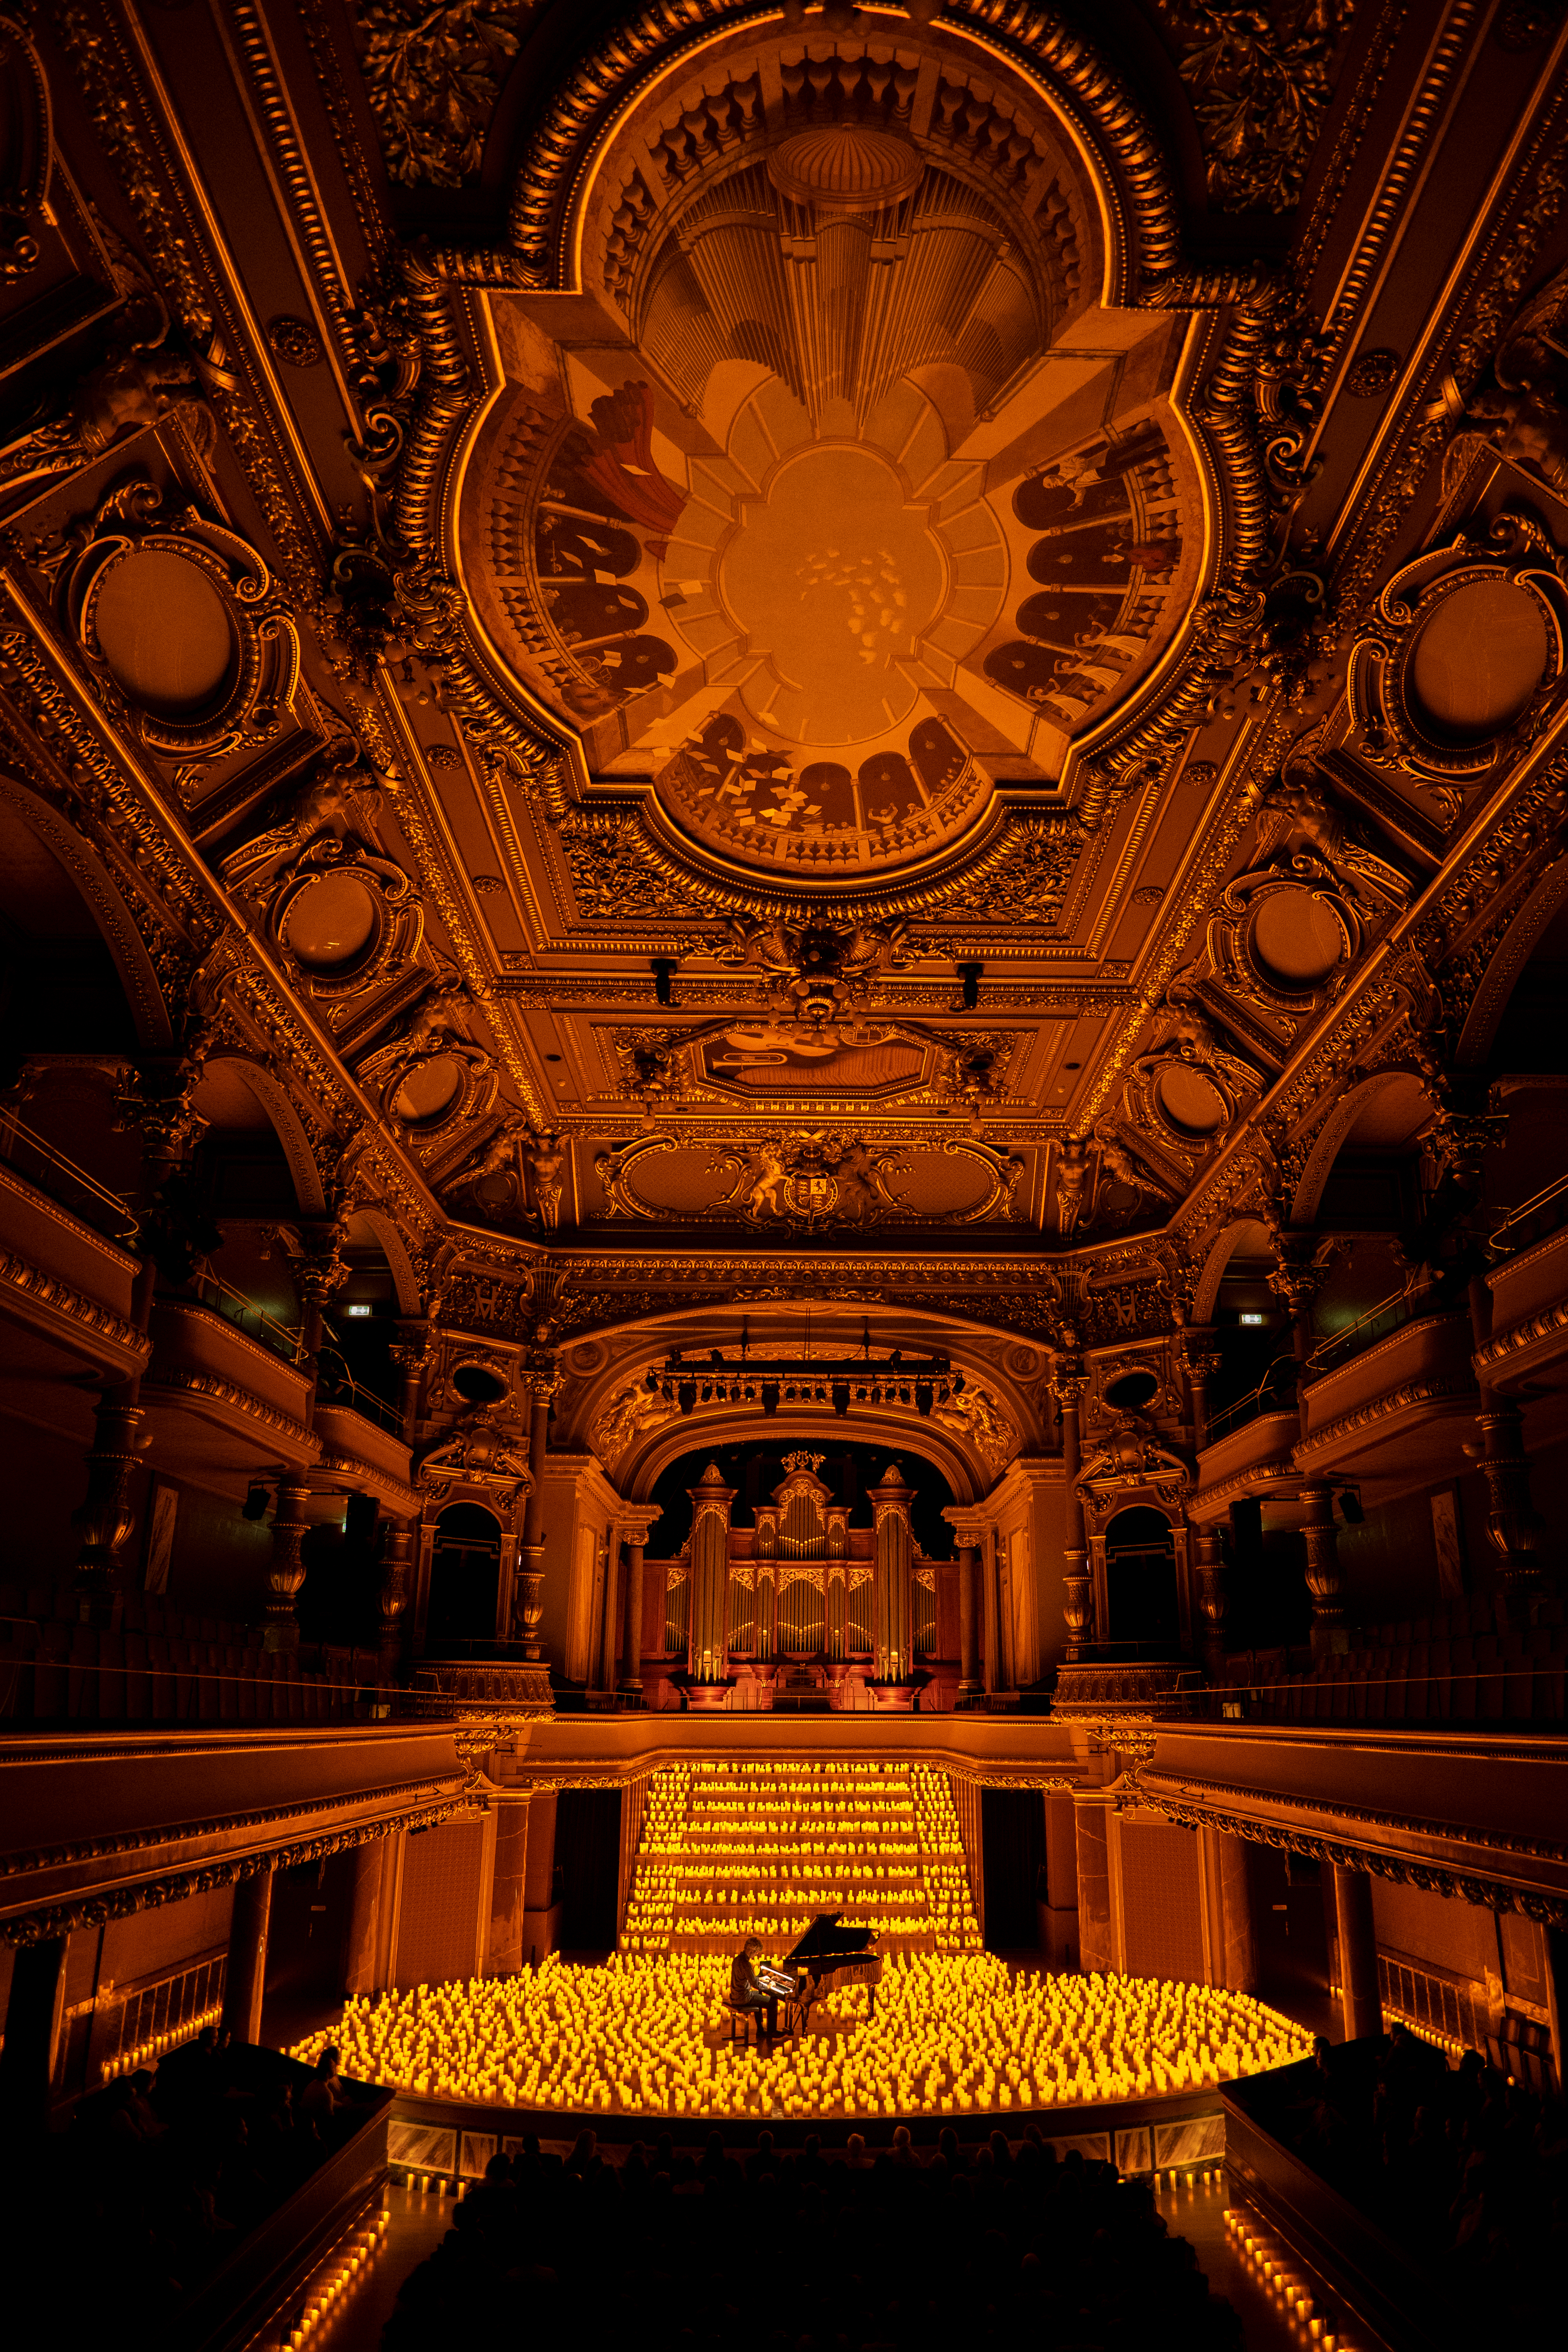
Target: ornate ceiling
[{"x": 707, "y": 644}]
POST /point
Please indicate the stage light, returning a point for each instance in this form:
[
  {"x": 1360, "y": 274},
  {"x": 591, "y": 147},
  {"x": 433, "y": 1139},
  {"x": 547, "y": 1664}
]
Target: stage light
[
  {"x": 841, "y": 1398},
  {"x": 924, "y": 1399},
  {"x": 1349, "y": 1503},
  {"x": 770, "y": 1396},
  {"x": 254, "y": 1504},
  {"x": 686, "y": 1396}
]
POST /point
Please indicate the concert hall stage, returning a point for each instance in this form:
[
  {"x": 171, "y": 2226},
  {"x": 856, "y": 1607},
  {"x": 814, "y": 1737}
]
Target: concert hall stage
[{"x": 638, "y": 2046}]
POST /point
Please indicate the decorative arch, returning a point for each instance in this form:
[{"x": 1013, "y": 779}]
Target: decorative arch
[
  {"x": 1221, "y": 1250},
  {"x": 404, "y": 1281},
  {"x": 289, "y": 1127},
  {"x": 104, "y": 902},
  {"x": 1330, "y": 1138},
  {"x": 640, "y": 1472},
  {"x": 624, "y": 1355},
  {"x": 1507, "y": 960}
]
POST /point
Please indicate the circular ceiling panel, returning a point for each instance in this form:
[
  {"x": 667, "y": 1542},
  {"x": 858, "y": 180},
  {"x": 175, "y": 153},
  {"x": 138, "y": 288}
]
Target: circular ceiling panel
[
  {"x": 329, "y": 922},
  {"x": 1191, "y": 1102},
  {"x": 166, "y": 632},
  {"x": 1478, "y": 661},
  {"x": 1297, "y": 939}
]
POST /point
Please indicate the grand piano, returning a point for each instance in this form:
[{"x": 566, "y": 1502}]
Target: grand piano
[{"x": 827, "y": 1957}]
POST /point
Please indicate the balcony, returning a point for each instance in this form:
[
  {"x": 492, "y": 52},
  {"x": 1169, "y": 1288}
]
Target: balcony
[
  {"x": 65, "y": 1286},
  {"x": 221, "y": 1405},
  {"x": 1253, "y": 1457},
  {"x": 1393, "y": 1416},
  {"x": 1529, "y": 1342}
]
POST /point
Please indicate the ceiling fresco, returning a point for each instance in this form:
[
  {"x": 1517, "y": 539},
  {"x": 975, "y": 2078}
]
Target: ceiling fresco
[{"x": 834, "y": 501}]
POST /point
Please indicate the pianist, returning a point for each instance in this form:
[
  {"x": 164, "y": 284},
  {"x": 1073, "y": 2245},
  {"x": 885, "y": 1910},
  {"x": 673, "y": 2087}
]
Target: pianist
[{"x": 746, "y": 1987}]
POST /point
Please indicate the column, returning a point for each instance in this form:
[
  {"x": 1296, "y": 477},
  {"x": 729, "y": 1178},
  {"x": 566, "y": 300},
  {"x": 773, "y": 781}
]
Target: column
[
  {"x": 32, "y": 2038},
  {"x": 505, "y": 1952},
  {"x": 1362, "y": 2004},
  {"x": 1211, "y": 1601},
  {"x": 892, "y": 1613},
  {"x": 539, "y": 1921},
  {"x": 1068, "y": 1384},
  {"x": 1237, "y": 1938},
  {"x": 286, "y": 1572},
  {"x": 105, "y": 1516},
  {"x": 636, "y": 1528},
  {"x": 410, "y": 1351},
  {"x": 631, "y": 1647},
  {"x": 1060, "y": 1939},
  {"x": 361, "y": 1974},
  {"x": 708, "y": 1645},
  {"x": 1320, "y": 1536},
  {"x": 245, "y": 1981},
  {"x": 527, "y": 1610},
  {"x": 1200, "y": 1364},
  {"x": 1096, "y": 1928},
  {"x": 392, "y": 1598},
  {"x": 604, "y": 1672},
  {"x": 969, "y": 1689},
  {"x": 1512, "y": 1522}
]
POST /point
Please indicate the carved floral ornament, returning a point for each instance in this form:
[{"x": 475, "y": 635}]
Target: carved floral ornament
[
  {"x": 805, "y": 1180},
  {"x": 341, "y": 916},
  {"x": 180, "y": 620}
]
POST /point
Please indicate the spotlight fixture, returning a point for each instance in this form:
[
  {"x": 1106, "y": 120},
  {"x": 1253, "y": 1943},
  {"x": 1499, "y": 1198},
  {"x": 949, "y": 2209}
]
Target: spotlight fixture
[
  {"x": 969, "y": 973},
  {"x": 1349, "y": 1503},
  {"x": 770, "y": 1397},
  {"x": 254, "y": 1504},
  {"x": 664, "y": 979},
  {"x": 841, "y": 1398}
]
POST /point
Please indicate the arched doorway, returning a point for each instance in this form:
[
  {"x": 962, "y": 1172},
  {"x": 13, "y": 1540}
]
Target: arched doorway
[
  {"x": 1141, "y": 1582},
  {"x": 465, "y": 1578}
]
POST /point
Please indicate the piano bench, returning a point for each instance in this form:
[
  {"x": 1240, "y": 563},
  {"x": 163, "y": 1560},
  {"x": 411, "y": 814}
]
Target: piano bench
[{"x": 743, "y": 2013}]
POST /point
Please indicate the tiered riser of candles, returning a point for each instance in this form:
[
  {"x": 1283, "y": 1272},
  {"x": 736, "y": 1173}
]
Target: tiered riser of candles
[{"x": 730, "y": 1851}]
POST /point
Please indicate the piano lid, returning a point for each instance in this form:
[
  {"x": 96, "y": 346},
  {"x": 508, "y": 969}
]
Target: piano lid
[{"x": 824, "y": 1939}]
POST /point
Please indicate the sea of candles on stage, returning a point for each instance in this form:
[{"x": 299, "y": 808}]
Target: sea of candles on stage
[
  {"x": 732, "y": 1850},
  {"x": 1283, "y": 2276},
  {"x": 951, "y": 2033}
]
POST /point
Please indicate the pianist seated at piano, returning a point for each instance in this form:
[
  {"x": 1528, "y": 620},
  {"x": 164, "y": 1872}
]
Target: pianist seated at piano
[{"x": 747, "y": 1988}]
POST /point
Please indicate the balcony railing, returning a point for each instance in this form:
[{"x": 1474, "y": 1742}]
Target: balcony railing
[
  {"x": 1534, "y": 1218},
  {"x": 1375, "y": 1323},
  {"x": 1275, "y": 1392},
  {"x": 253, "y": 1320},
  {"x": 335, "y": 1384},
  {"x": 36, "y": 1158}
]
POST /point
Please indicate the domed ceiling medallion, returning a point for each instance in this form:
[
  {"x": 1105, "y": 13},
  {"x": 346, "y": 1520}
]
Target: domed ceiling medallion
[{"x": 833, "y": 501}]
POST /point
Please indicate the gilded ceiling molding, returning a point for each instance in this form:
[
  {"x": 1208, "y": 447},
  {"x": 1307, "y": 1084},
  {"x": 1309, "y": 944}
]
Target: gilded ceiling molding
[
  {"x": 149, "y": 1894},
  {"x": 1208, "y": 1804},
  {"x": 178, "y": 254},
  {"x": 1261, "y": 88}
]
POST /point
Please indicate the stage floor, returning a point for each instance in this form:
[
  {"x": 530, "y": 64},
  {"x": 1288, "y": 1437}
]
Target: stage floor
[{"x": 638, "y": 2044}]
